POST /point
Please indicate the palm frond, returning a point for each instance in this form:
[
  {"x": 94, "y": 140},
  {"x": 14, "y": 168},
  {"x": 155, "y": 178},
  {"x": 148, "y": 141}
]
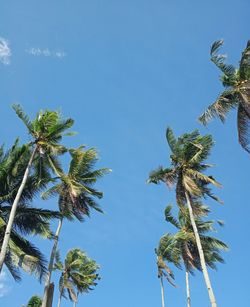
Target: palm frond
[
  {"x": 219, "y": 59},
  {"x": 225, "y": 102},
  {"x": 170, "y": 218},
  {"x": 243, "y": 119},
  {"x": 171, "y": 139},
  {"x": 245, "y": 63},
  {"x": 24, "y": 117}
]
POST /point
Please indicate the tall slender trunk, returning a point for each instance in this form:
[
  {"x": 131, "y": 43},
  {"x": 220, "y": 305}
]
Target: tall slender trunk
[
  {"x": 162, "y": 293},
  {"x": 201, "y": 253},
  {"x": 51, "y": 263},
  {"x": 13, "y": 210},
  {"x": 75, "y": 302},
  {"x": 59, "y": 300},
  {"x": 188, "y": 290}
]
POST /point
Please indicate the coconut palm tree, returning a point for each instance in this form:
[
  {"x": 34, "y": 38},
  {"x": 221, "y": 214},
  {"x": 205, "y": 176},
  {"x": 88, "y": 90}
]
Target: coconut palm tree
[
  {"x": 163, "y": 272},
  {"x": 188, "y": 153},
  {"x": 76, "y": 195},
  {"x": 35, "y": 301},
  {"x": 28, "y": 220},
  {"x": 79, "y": 275},
  {"x": 46, "y": 131},
  {"x": 236, "y": 82},
  {"x": 181, "y": 247}
]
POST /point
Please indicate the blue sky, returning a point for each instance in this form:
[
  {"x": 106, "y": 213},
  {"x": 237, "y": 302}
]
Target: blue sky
[{"x": 125, "y": 70}]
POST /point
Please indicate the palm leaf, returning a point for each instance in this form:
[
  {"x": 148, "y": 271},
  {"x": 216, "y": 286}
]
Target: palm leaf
[
  {"x": 219, "y": 60},
  {"x": 245, "y": 63},
  {"x": 170, "y": 218},
  {"x": 24, "y": 117},
  {"x": 225, "y": 102},
  {"x": 171, "y": 139}
]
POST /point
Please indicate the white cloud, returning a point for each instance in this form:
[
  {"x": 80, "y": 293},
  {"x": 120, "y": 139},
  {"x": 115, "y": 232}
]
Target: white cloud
[
  {"x": 5, "y": 52},
  {"x": 46, "y": 52},
  {"x": 4, "y": 289}
]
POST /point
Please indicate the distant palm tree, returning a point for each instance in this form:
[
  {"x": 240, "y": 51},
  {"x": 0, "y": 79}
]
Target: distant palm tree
[
  {"x": 79, "y": 275},
  {"x": 181, "y": 247},
  {"x": 35, "y": 301},
  {"x": 76, "y": 195},
  {"x": 187, "y": 163},
  {"x": 46, "y": 130},
  {"x": 236, "y": 94},
  {"x": 163, "y": 271},
  {"x": 28, "y": 220}
]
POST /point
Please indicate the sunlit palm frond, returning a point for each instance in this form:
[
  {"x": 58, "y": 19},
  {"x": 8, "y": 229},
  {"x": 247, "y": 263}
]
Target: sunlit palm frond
[{"x": 225, "y": 102}]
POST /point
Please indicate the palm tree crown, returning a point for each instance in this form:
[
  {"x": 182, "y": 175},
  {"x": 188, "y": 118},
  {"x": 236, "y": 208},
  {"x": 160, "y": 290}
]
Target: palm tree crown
[
  {"x": 75, "y": 189},
  {"x": 79, "y": 274},
  {"x": 182, "y": 248},
  {"x": 188, "y": 154},
  {"x": 236, "y": 94},
  {"x": 46, "y": 130}
]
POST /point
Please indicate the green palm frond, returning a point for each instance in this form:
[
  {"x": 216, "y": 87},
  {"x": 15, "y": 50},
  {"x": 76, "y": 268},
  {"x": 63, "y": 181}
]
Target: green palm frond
[
  {"x": 162, "y": 175},
  {"x": 26, "y": 256},
  {"x": 33, "y": 221},
  {"x": 171, "y": 139},
  {"x": 170, "y": 218},
  {"x": 225, "y": 102},
  {"x": 12, "y": 268},
  {"x": 24, "y": 117},
  {"x": 219, "y": 59}
]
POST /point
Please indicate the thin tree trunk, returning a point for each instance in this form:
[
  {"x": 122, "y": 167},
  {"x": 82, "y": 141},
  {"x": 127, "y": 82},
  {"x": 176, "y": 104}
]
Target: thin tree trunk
[
  {"x": 201, "y": 253},
  {"x": 59, "y": 300},
  {"x": 51, "y": 263},
  {"x": 75, "y": 302},
  {"x": 13, "y": 210},
  {"x": 162, "y": 293},
  {"x": 188, "y": 290},
  {"x": 50, "y": 295}
]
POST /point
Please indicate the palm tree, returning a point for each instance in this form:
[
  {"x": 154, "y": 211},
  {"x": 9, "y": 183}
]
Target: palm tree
[
  {"x": 236, "y": 94},
  {"x": 35, "y": 301},
  {"x": 28, "y": 220},
  {"x": 181, "y": 247},
  {"x": 46, "y": 131},
  {"x": 188, "y": 153},
  {"x": 76, "y": 195},
  {"x": 163, "y": 271},
  {"x": 79, "y": 275}
]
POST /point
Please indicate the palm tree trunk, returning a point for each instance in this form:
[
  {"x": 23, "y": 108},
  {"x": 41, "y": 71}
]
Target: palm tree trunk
[
  {"x": 59, "y": 300},
  {"x": 75, "y": 302},
  {"x": 13, "y": 210},
  {"x": 188, "y": 290},
  {"x": 51, "y": 263},
  {"x": 162, "y": 293},
  {"x": 201, "y": 253}
]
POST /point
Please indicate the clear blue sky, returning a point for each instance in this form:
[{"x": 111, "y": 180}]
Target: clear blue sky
[{"x": 125, "y": 70}]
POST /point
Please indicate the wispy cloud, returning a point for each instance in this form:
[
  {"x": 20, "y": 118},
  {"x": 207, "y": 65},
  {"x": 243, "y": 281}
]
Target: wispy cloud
[
  {"x": 5, "y": 52},
  {"x": 4, "y": 289},
  {"x": 46, "y": 52}
]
